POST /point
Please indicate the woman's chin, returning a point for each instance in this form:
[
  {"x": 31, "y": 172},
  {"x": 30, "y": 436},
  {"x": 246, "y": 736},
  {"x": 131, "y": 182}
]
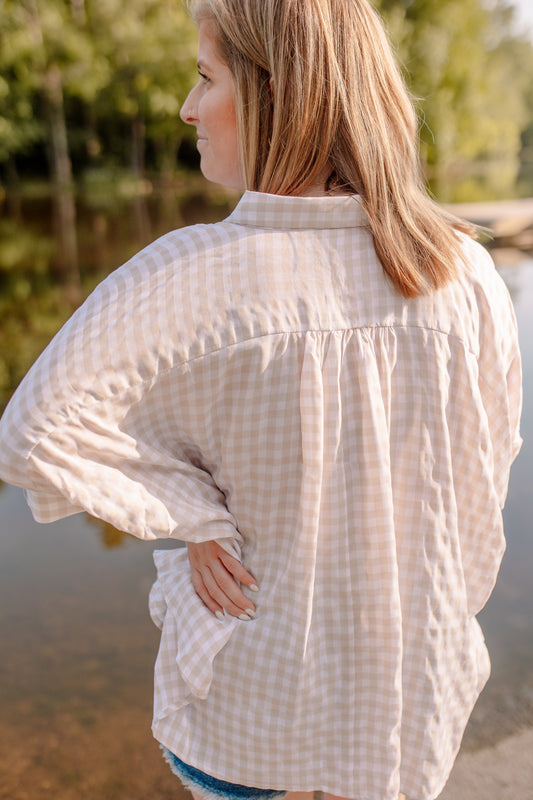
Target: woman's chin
[{"x": 229, "y": 181}]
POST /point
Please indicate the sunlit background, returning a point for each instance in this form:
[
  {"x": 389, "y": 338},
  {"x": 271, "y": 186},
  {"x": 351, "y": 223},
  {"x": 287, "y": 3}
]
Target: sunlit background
[{"x": 94, "y": 164}]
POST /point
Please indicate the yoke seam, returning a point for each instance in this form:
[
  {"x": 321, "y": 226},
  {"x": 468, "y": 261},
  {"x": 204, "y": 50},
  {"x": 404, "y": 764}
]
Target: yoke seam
[{"x": 75, "y": 410}]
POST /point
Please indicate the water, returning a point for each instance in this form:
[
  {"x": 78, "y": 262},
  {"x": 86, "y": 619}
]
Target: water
[
  {"x": 507, "y": 619},
  {"x": 76, "y": 666},
  {"x": 77, "y": 646}
]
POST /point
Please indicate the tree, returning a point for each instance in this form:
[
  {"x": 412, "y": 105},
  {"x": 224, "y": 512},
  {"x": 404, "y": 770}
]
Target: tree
[
  {"x": 20, "y": 126},
  {"x": 104, "y": 80},
  {"x": 149, "y": 49},
  {"x": 55, "y": 55},
  {"x": 464, "y": 65}
]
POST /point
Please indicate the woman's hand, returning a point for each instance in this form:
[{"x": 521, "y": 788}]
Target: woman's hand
[{"x": 214, "y": 576}]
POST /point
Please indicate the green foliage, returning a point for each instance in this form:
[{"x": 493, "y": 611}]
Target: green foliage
[
  {"x": 100, "y": 82},
  {"x": 19, "y": 125},
  {"x": 31, "y": 307},
  {"x": 100, "y": 68},
  {"x": 149, "y": 48},
  {"x": 469, "y": 72}
]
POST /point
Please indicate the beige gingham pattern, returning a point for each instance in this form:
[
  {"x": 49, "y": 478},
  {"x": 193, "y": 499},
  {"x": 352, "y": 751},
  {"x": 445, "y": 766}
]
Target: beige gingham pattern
[{"x": 258, "y": 381}]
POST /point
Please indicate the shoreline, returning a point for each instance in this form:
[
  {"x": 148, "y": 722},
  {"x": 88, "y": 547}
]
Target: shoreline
[{"x": 509, "y": 221}]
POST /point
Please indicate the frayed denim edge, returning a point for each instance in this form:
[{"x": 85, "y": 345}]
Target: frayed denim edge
[{"x": 199, "y": 788}]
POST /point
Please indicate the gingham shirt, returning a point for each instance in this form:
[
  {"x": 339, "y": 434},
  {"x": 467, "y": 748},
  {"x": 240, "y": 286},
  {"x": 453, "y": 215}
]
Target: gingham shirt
[{"x": 258, "y": 381}]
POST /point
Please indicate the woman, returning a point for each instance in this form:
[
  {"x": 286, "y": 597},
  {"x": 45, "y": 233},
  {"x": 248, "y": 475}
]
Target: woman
[{"x": 321, "y": 396}]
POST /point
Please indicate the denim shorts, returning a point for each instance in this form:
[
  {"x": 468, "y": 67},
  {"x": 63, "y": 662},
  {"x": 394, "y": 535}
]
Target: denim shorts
[{"x": 212, "y": 788}]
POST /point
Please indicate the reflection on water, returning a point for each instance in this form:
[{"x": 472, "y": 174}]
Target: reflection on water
[
  {"x": 47, "y": 267},
  {"x": 77, "y": 652},
  {"x": 77, "y": 645}
]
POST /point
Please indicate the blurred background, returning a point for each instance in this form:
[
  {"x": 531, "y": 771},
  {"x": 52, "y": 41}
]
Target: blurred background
[{"x": 94, "y": 164}]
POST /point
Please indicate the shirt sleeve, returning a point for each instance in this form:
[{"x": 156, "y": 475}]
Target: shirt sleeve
[
  {"x": 78, "y": 433},
  {"x": 500, "y": 378}
]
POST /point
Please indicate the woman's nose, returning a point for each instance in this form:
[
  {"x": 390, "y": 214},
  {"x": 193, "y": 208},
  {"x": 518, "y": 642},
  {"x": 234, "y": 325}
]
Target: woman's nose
[{"x": 188, "y": 110}]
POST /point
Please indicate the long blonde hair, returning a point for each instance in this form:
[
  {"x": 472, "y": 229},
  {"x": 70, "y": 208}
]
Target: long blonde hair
[{"x": 318, "y": 93}]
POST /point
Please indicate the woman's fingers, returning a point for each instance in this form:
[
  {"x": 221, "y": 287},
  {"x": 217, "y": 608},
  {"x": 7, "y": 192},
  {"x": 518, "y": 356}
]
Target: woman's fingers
[
  {"x": 203, "y": 594},
  {"x": 215, "y": 574},
  {"x": 225, "y": 592},
  {"x": 234, "y": 566}
]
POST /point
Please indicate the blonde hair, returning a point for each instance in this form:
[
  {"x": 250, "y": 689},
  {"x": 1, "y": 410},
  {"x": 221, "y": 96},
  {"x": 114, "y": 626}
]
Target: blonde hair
[{"x": 319, "y": 93}]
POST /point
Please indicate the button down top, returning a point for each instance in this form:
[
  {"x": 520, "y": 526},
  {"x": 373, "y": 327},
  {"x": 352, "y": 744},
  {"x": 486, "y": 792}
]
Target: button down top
[{"x": 260, "y": 382}]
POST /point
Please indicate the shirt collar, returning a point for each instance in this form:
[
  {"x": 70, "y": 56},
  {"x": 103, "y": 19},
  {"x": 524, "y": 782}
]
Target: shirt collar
[{"x": 261, "y": 210}]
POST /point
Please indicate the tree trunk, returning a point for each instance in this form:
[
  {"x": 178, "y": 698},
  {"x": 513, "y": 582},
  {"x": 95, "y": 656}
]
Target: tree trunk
[
  {"x": 66, "y": 266},
  {"x": 12, "y": 175},
  {"x": 167, "y": 150},
  {"x": 13, "y": 194},
  {"x": 137, "y": 146},
  {"x": 78, "y": 11},
  {"x": 142, "y": 221},
  {"x": 60, "y": 167}
]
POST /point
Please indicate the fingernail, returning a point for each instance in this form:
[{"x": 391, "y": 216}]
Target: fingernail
[
  {"x": 253, "y": 587},
  {"x": 250, "y": 612},
  {"x": 219, "y": 615},
  {"x": 244, "y": 617}
]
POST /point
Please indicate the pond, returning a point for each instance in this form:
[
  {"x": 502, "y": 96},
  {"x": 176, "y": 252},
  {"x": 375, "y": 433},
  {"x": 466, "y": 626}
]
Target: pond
[{"x": 77, "y": 645}]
